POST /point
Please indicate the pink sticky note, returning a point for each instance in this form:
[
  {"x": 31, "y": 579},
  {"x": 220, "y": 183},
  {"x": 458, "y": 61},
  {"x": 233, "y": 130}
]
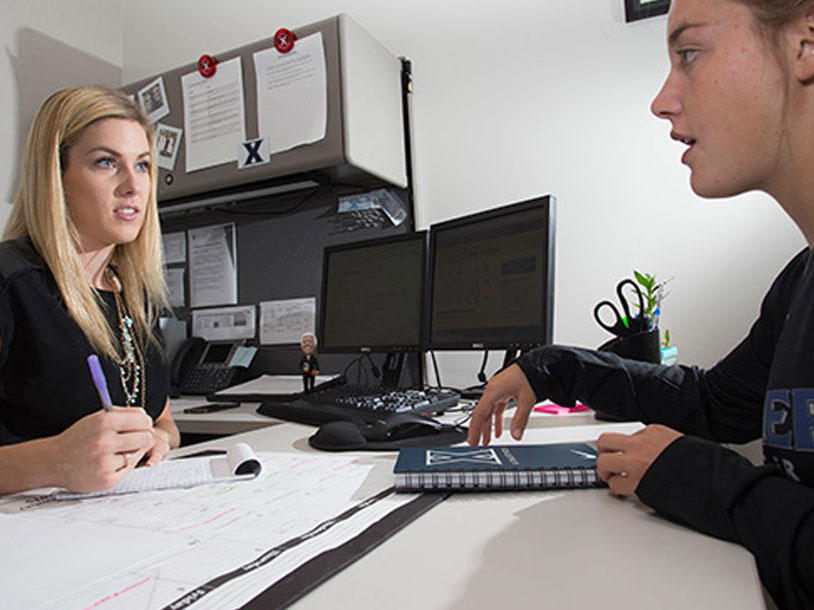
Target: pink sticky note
[{"x": 558, "y": 410}]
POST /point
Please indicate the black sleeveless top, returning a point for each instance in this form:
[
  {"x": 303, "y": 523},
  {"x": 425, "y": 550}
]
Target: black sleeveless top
[{"x": 45, "y": 384}]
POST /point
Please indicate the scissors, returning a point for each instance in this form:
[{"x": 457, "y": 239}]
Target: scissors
[{"x": 623, "y": 326}]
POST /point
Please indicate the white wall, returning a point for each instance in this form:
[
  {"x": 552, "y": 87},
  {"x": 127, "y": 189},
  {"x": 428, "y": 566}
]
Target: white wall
[
  {"x": 49, "y": 45},
  {"x": 511, "y": 101}
]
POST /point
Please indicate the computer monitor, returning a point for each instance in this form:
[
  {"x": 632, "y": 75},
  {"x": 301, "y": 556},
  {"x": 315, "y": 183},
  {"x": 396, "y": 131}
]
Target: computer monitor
[
  {"x": 373, "y": 295},
  {"x": 491, "y": 279}
]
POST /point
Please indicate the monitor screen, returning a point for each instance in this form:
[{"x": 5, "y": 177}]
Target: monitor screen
[
  {"x": 372, "y": 295},
  {"x": 492, "y": 277}
]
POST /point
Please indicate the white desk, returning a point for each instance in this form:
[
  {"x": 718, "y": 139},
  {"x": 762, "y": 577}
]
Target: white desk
[
  {"x": 573, "y": 549},
  {"x": 231, "y": 421}
]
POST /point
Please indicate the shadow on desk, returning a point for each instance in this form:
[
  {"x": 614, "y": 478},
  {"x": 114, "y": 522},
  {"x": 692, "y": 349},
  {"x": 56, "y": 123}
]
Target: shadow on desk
[
  {"x": 191, "y": 438},
  {"x": 574, "y": 549}
]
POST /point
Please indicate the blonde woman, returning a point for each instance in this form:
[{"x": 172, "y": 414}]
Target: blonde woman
[
  {"x": 740, "y": 98},
  {"x": 81, "y": 273}
]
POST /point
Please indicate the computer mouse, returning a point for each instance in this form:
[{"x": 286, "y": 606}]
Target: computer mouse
[{"x": 400, "y": 426}]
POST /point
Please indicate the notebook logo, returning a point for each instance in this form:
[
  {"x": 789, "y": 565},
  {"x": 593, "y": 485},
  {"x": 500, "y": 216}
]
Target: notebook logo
[{"x": 476, "y": 455}]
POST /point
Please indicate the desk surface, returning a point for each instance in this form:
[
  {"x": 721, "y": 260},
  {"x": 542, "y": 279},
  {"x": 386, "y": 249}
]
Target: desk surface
[
  {"x": 573, "y": 549},
  {"x": 231, "y": 421}
]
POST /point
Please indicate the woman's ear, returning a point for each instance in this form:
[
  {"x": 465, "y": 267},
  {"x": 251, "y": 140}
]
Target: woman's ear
[{"x": 802, "y": 32}]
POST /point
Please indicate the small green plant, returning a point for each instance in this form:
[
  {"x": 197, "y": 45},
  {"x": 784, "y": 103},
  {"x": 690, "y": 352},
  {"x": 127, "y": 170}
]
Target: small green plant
[
  {"x": 653, "y": 293},
  {"x": 651, "y": 290}
]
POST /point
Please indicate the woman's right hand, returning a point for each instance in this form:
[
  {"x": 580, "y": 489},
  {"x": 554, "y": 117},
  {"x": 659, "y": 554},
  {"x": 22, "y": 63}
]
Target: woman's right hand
[
  {"x": 508, "y": 384},
  {"x": 97, "y": 451}
]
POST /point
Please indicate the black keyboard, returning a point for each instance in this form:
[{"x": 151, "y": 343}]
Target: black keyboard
[{"x": 359, "y": 404}]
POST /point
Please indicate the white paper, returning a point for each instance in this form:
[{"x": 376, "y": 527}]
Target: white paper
[
  {"x": 213, "y": 116},
  {"x": 294, "y": 511},
  {"x": 292, "y": 94},
  {"x": 187, "y": 472},
  {"x": 175, "y": 285},
  {"x": 168, "y": 141},
  {"x": 153, "y": 100},
  {"x": 40, "y": 555},
  {"x": 285, "y": 321},
  {"x": 175, "y": 332},
  {"x": 175, "y": 247},
  {"x": 272, "y": 384},
  {"x": 212, "y": 265},
  {"x": 224, "y": 323}
]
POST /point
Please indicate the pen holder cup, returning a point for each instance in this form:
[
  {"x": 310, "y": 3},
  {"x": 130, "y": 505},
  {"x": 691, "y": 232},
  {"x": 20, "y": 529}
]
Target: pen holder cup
[{"x": 641, "y": 346}]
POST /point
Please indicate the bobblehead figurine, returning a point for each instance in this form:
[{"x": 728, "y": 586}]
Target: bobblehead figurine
[{"x": 309, "y": 365}]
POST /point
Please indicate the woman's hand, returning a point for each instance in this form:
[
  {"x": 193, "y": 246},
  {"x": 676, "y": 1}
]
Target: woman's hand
[
  {"x": 97, "y": 451},
  {"x": 161, "y": 447},
  {"x": 165, "y": 436},
  {"x": 623, "y": 459},
  {"x": 509, "y": 384}
]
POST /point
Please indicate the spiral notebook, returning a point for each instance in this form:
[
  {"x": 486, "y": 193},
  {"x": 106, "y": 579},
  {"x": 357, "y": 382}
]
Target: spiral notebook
[{"x": 497, "y": 467}]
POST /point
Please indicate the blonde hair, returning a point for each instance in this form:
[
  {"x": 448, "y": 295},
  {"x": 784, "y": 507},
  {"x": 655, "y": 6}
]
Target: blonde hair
[{"x": 40, "y": 212}]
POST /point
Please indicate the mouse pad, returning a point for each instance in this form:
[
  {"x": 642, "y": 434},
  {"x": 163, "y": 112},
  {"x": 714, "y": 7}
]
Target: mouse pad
[{"x": 350, "y": 436}]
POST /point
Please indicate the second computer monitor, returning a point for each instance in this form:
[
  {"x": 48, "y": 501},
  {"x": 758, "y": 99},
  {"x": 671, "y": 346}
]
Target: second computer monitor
[{"x": 491, "y": 278}]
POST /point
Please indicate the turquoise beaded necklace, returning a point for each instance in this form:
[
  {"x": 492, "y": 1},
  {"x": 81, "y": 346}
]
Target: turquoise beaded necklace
[{"x": 131, "y": 367}]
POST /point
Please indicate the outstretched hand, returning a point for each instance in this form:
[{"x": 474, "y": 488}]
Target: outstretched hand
[
  {"x": 509, "y": 384},
  {"x": 623, "y": 459}
]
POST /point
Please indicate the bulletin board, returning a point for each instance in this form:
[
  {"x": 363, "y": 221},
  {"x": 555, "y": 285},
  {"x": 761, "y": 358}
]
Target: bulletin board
[{"x": 279, "y": 244}]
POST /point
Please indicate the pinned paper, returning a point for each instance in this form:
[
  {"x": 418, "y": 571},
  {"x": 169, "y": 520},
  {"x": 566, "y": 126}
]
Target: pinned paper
[
  {"x": 213, "y": 116},
  {"x": 175, "y": 286},
  {"x": 224, "y": 323},
  {"x": 153, "y": 100},
  {"x": 212, "y": 265},
  {"x": 175, "y": 247},
  {"x": 292, "y": 94},
  {"x": 168, "y": 140},
  {"x": 285, "y": 321}
]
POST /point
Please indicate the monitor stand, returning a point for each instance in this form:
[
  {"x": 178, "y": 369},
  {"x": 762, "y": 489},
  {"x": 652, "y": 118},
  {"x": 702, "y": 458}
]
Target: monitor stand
[{"x": 391, "y": 369}]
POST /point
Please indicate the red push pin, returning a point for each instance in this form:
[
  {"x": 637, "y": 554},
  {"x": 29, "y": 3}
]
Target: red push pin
[
  {"x": 284, "y": 40},
  {"x": 207, "y": 66}
]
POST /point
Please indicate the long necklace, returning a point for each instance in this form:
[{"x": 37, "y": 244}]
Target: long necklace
[{"x": 131, "y": 367}]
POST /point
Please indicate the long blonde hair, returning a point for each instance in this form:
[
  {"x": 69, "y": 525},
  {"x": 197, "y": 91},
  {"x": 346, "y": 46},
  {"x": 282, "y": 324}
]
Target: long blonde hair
[{"x": 40, "y": 212}]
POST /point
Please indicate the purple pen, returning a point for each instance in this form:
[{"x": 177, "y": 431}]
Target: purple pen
[{"x": 99, "y": 381}]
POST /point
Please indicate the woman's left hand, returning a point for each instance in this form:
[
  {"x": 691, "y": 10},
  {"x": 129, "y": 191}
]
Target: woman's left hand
[
  {"x": 623, "y": 459},
  {"x": 161, "y": 447}
]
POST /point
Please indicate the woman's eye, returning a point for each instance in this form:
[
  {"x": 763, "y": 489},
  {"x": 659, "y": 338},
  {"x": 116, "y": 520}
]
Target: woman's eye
[
  {"x": 687, "y": 56},
  {"x": 143, "y": 166},
  {"x": 106, "y": 162}
]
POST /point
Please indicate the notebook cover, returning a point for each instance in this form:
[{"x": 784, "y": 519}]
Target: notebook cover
[
  {"x": 496, "y": 457},
  {"x": 497, "y": 467}
]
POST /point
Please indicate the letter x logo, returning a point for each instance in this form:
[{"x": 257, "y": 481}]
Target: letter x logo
[{"x": 253, "y": 152}]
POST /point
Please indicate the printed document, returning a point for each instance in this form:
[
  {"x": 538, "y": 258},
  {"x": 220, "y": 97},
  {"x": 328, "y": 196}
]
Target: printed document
[
  {"x": 292, "y": 94},
  {"x": 213, "y": 266},
  {"x": 214, "y": 120}
]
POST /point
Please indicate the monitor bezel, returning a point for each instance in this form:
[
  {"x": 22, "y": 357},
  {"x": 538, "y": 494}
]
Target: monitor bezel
[
  {"x": 323, "y": 346},
  {"x": 548, "y": 204}
]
